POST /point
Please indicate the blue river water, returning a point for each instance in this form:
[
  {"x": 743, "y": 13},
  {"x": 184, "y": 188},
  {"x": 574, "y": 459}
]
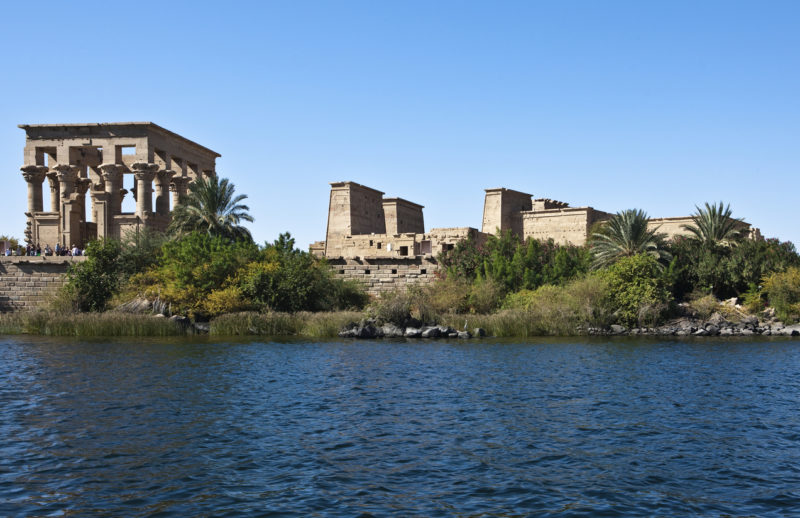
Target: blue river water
[{"x": 551, "y": 427}]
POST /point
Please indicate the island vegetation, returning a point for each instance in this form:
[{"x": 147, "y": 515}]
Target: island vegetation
[{"x": 206, "y": 273}]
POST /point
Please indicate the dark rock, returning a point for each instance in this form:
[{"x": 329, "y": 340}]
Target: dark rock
[
  {"x": 750, "y": 319},
  {"x": 464, "y": 334},
  {"x": 201, "y": 327},
  {"x": 391, "y": 330},
  {"x": 700, "y": 332},
  {"x": 618, "y": 329},
  {"x": 431, "y": 332},
  {"x": 712, "y": 330},
  {"x": 413, "y": 332},
  {"x": 479, "y": 331}
]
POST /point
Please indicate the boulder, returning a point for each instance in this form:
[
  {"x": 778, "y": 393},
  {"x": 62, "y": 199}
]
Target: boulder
[
  {"x": 700, "y": 332},
  {"x": 201, "y": 327},
  {"x": 431, "y": 332},
  {"x": 479, "y": 332},
  {"x": 391, "y": 330},
  {"x": 751, "y": 320},
  {"x": 716, "y": 319},
  {"x": 618, "y": 329},
  {"x": 464, "y": 334},
  {"x": 712, "y": 330},
  {"x": 413, "y": 332}
]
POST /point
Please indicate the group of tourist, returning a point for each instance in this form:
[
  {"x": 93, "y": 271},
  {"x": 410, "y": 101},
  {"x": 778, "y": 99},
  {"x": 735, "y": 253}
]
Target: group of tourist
[{"x": 36, "y": 250}]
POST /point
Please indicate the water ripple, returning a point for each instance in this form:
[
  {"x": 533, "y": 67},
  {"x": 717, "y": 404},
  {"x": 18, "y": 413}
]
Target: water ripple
[{"x": 551, "y": 428}]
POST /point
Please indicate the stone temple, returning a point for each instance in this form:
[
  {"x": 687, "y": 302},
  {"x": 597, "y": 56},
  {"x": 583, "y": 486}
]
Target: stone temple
[
  {"x": 90, "y": 163},
  {"x": 382, "y": 242}
]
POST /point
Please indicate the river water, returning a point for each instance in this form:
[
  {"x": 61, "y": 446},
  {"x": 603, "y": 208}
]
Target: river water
[{"x": 552, "y": 427}]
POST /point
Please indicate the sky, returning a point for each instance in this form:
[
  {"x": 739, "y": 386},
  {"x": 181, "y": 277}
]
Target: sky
[{"x": 659, "y": 105}]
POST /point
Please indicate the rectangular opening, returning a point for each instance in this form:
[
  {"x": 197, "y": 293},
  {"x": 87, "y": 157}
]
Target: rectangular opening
[
  {"x": 341, "y": 272},
  {"x": 370, "y": 242},
  {"x": 425, "y": 247},
  {"x": 366, "y": 272},
  {"x": 403, "y": 250},
  {"x": 379, "y": 245},
  {"x": 394, "y": 272},
  {"x": 423, "y": 271}
]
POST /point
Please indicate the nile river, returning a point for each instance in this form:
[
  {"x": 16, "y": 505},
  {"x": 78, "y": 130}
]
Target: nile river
[{"x": 566, "y": 427}]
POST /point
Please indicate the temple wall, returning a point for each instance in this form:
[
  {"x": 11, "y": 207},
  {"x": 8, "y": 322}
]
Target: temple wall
[
  {"x": 564, "y": 226},
  {"x": 381, "y": 275},
  {"x": 27, "y": 282}
]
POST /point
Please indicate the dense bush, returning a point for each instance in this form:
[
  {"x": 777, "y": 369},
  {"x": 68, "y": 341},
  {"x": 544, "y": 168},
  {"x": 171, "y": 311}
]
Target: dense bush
[
  {"x": 91, "y": 283},
  {"x": 783, "y": 293},
  {"x": 726, "y": 271},
  {"x": 515, "y": 264},
  {"x": 638, "y": 290}
]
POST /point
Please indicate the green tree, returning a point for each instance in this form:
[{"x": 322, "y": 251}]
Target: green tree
[
  {"x": 715, "y": 226},
  {"x": 638, "y": 290},
  {"x": 93, "y": 282},
  {"x": 211, "y": 207},
  {"x": 626, "y": 235}
]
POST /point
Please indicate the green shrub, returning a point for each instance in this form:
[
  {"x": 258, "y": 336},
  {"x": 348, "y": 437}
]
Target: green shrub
[
  {"x": 391, "y": 307},
  {"x": 638, "y": 290},
  {"x": 783, "y": 293},
  {"x": 704, "y": 305},
  {"x": 92, "y": 283}
]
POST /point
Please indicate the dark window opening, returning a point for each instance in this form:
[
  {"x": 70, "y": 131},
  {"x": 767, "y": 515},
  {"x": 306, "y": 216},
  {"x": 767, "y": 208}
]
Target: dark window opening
[
  {"x": 370, "y": 242},
  {"x": 403, "y": 250},
  {"x": 341, "y": 272},
  {"x": 366, "y": 272},
  {"x": 379, "y": 245},
  {"x": 423, "y": 271},
  {"x": 394, "y": 271}
]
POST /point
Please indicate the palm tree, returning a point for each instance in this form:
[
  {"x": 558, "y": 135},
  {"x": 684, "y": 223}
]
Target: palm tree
[
  {"x": 715, "y": 225},
  {"x": 210, "y": 206},
  {"x": 624, "y": 235}
]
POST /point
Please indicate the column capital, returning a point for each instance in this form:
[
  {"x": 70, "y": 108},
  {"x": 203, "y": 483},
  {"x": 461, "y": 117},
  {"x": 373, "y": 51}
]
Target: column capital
[
  {"x": 82, "y": 185},
  {"x": 145, "y": 166},
  {"x": 178, "y": 183},
  {"x": 165, "y": 175},
  {"x": 112, "y": 168},
  {"x": 65, "y": 171},
  {"x": 33, "y": 173}
]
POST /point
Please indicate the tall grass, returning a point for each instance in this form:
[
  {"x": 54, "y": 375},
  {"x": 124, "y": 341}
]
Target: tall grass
[
  {"x": 88, "y": 324},
  {"x": 315, "y": 325}
]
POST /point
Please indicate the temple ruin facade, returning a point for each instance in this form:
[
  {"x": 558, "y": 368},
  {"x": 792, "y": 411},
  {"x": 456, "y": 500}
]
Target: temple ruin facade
[
  {"x": 93, "y": 163},
  {"x": 382, "y": 242}
]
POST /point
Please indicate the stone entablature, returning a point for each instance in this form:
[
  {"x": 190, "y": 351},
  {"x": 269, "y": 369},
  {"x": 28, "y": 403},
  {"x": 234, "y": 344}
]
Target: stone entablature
[
  {"x": 91, "y": 160},
  {"x": 571, "y": 225}
]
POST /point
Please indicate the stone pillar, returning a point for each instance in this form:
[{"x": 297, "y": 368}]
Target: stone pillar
[
  {"x": 55, "y": 205},
  {"x": 81, "y": 187},
  {"x": 178, "y": 188},
  {"x": 112, "y": 177},
  {"x": 66, "y": 176},
  {"x": 69, "y": 223},
  {"x": 163, "y": 178},
  {"x": 144, "y": 173},
  {"x": 102, "y": 213},
  {"x": 34, "y": 175}
]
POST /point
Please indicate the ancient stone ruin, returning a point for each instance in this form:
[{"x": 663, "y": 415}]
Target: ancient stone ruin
[
  {"x": 94, "y": 160},
  {"x": 382, "y": 242}
]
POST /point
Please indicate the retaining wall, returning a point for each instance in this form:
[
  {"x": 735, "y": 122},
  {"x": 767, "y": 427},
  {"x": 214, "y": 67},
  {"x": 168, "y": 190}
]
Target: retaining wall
[
  {"x": 379, "y": 275},
  {"x": 25, "y": 282}
]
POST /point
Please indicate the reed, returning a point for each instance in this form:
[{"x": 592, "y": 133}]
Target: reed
[
  {"x": 273, "y": 323},
  {"x": 88, "y": 324}
]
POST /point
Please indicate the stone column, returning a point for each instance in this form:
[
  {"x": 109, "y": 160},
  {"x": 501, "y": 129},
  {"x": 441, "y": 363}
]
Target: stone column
[
  {"x": 144, "y": 173},
  {"x": 34, "y": 175},
  {"x": 52, "y": 177},
  {"x": 112, "y": 177},
  {"x": 163, "y": 178},
  {"x": 178, "y": 188},
  {"x": 69, "y": 223},
  {"x": 81, "y": 187},
  {"x": 66, "y": 176}
]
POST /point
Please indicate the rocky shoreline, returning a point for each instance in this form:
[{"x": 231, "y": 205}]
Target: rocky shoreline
[{"x": 716, "y": 325}]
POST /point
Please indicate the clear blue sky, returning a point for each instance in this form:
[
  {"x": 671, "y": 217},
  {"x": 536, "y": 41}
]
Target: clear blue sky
[{"x": 652, "y": 105}]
